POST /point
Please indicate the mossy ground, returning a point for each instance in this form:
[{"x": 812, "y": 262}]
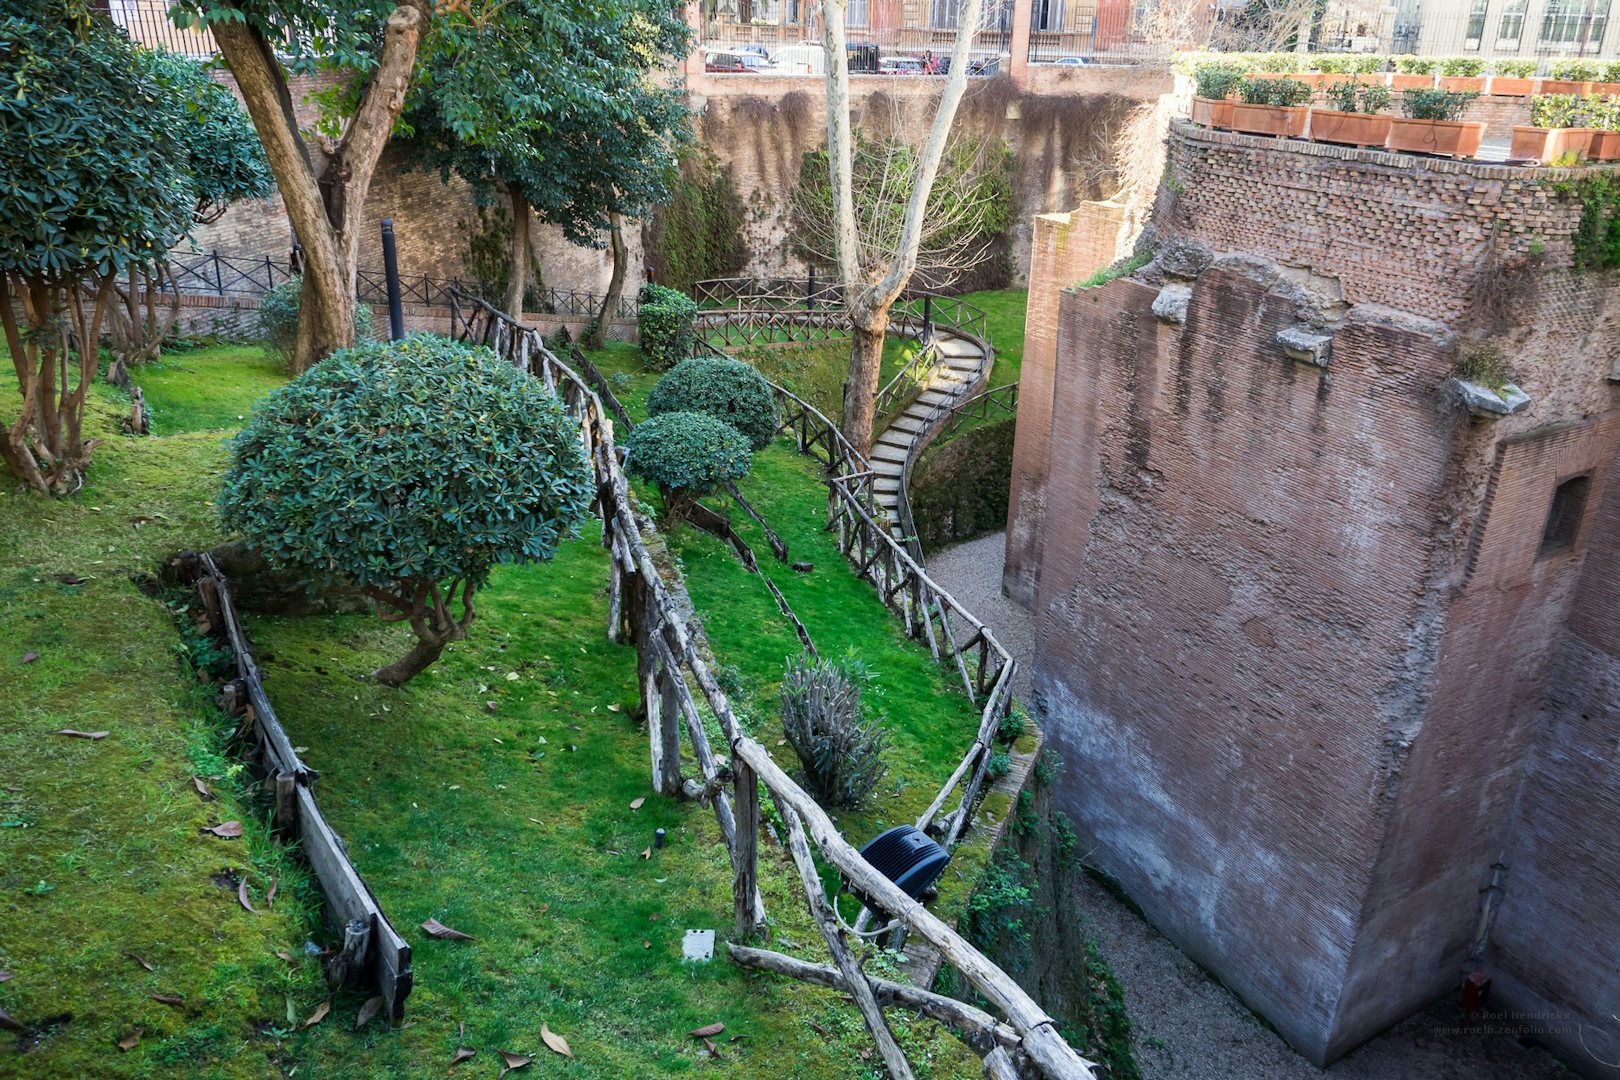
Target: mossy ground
[
  {"x": 101, "y": 849},
  {"x": 513, "y": 824}
]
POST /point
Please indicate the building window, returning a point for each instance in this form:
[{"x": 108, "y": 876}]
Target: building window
[
  {"x": 1571, "y": 22},
  {"x": 1046, "y": 15},
  {"x": 1476, "y": 24},
  {"x": 1512, "y": 24},
  {"x": 1564, "y": 517},
  {"x": 944, "y": 14},
  {"x": 855, "y": 14}
]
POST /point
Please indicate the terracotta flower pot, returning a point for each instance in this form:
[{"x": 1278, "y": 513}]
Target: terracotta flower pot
[
  {"x": 1348, "y": 128},
  {"x": 1411, "y": 82},
  {"x": 1606, "y": 89},
  {"x": 1508, "y": 86},
  {"x": 1270, "y": 119},
  {"x": 1451, "y": 138},
  {"x": 1467, "y": 84},
  {"x": 1565, "y": 86},
  {"x": 1547, "y": 145},
  {"x": 1211, "y": 113},
  {"x": 1605, "y": 146}
]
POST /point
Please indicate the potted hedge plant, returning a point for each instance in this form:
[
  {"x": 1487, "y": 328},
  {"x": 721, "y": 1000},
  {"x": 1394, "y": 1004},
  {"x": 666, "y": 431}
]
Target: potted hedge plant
[
  {"x": 1513, "y": 78},
  {"x": 1211, "y": 104},
  {"x": 1603, "y": 114},
  {"x": 1354, "y": 119},
  {"x": 1608, "y": 79},
  {"x": 1462, "y": 73},
  {"x": 1570, "y": 77},
  {"x": 1272, "y": 107},
  {"x": 1433, "y": 124},
  {"x": 1559, "y": 129},
  {"x": 1414, "y": 72}
]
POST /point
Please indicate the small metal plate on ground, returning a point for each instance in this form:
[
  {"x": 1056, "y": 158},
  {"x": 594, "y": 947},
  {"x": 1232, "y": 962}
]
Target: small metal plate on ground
[{"x": 698, "y": 946}]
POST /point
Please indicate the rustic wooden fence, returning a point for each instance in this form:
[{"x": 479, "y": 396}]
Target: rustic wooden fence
[
  {"x": 373, "y": 953},
  {"x": 676, "y": 681},
  {"x": 946, "y": 417}
]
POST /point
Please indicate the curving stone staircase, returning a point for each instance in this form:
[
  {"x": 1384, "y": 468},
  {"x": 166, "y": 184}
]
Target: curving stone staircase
[{"x": 966, "y": 365}]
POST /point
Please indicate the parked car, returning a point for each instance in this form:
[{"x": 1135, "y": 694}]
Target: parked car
[
  {"x": 723, "y": 62},
  {"x": 800, "y": 60},
  {"x": 900, "y": 65},
  {"x": 1073, "y": 61}
]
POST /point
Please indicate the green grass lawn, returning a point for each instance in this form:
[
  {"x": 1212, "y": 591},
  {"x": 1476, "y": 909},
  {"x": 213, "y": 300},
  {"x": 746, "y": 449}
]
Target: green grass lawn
[
  {"x": 511, "y": 822},
  {"x": 101, "y": 853},
  {"x": 1004, "y": 314}
]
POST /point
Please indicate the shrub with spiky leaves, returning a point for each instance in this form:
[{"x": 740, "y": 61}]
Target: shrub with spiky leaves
[
  {"x": 664, "y": 325},
  {"x": 723, "y": 388},
  {"x": 408, "y": 469},
  {"x": 840, "y": 748}
]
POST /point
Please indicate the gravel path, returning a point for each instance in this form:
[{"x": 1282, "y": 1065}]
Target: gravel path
[{"x": 1186, "y": 1024}]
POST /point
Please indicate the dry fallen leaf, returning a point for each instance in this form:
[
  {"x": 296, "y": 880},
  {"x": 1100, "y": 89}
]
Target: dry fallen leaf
[
  {"x": 613, "y": 707},
  {"x": 463, "y": 1053},
  {"x": 11, "y": 1025},
  {"x": 128, "y": 1041},
  {"x": 367, "y": 1011},
  {"x": 647, "y": 854},
  {"x": 270, "y": 896},
  {"x": 202, "y": 789},
  {"x": 230, "y": 830},
  {"x": 555, "y": 1041},
  {"x": 141, "y": 960},
  {"x": 636, "y": 804},
  {"x": 714, "y": 1051},
  {"x": 707, "y": 1030},
  {"x": 319, "y": 1014},
  {"x": 287, "y": 956},
  {"x": 241, "y": 895},
  {"x": 435, "y": 928},
  {"x": 513, "y": 1061},
  {"x": 5, "y": 976},
  {"x": 82, "y": 734},
  {"x": 168, "y": 999},
  {"x": 645, "y": 944},
  {"x": 29, "y": 657}
]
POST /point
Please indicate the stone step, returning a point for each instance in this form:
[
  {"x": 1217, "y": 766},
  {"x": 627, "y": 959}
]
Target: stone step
[
  {"x": 885, "y": 484},
  {"x": 881, "y": 454},
  {"x": 890, "y": 437},
  {"x": 905, "y": 422},
  {"x": 955, "y": 346}
]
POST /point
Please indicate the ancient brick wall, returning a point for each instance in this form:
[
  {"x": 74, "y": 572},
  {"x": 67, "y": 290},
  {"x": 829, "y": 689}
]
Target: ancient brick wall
[
  {"x": 1299, "y": 638},
  {"x": 759, "y": 128},
  {"x": 1409, "y": 233},
  {"x": 1065, "y": 249}
]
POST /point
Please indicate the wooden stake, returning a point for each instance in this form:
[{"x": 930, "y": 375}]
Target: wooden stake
[
  {"x": 854, "y": 978},
  {"x": 746, "y": 857}
]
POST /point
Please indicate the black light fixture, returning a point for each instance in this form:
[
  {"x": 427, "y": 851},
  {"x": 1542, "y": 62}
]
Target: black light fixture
[{"x": 906, "y": 856}]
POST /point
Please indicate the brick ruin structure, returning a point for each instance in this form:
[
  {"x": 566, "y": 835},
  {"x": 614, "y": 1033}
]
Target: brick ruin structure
[{"x": 1327, "y": 636}]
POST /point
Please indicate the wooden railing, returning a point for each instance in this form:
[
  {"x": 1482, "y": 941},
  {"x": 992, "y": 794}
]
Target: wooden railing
[
  {"x": 943, "y": 419},
  {"x": 373, "y": 953},
  {"x": 913, "y": 314},
  {"x": 644, "y": 607}
]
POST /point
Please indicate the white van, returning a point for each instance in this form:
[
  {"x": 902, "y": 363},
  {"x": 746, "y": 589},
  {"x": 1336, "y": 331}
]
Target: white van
[{"x": 800, "y": 60}]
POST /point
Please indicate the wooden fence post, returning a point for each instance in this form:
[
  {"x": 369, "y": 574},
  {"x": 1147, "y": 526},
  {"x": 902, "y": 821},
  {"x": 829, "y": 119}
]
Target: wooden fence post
[
  {"x": 664, "y": 733},
  {"x": 747, "y": 849}
]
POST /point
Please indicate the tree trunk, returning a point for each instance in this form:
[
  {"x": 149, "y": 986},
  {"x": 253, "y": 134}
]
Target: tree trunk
[
  {"x": 325, "y": 213},
  {"x": 861, "y": 386},
  {"x": 413, "y": 663},
  {"x": 522, "y": 246},
  {"x": 615, "y": 289}
]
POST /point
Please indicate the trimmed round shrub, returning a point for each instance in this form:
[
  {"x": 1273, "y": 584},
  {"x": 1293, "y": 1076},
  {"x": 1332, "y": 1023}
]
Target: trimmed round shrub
[
  {"x": 688, "y": 453},
  {"x": 723, "y": 388},
  {"x": 408, "y": 469},
  {"x": 664, "y": 325},
  {"x": 278, "y": 319}
]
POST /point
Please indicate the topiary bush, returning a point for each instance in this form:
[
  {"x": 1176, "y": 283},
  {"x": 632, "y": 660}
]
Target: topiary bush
[
  {"x": 726, "y": 389},
  {"x": 687, "y": 454},
  {"x": 664, "y": 325},
  {"x": 841, "y": 750},
  {"x": 278, "y": 320},
  {"x": 408, "y": 469}
]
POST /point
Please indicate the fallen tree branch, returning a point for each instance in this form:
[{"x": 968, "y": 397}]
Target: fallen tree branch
[
  {"x": 978, "y": 1029},
  {"x": 854, "y": 979}
]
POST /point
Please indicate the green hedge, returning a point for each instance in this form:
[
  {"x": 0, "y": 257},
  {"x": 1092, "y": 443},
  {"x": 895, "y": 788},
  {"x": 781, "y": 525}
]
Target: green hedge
[
  {"x": 723, "y": 388},
  {"x": 688, "y": 452},
  {"x": 664, "y": 319},
  {"x": 960, "y": 489}
]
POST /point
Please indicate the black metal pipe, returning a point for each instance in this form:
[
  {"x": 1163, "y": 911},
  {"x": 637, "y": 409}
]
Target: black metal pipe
[{"x": 396, "y": 309}]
